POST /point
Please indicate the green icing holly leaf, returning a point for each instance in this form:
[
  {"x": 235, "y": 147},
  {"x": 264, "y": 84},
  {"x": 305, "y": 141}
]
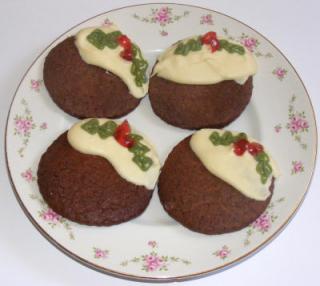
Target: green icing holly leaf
[
  {"x": 91, "y": 126},
  {"x": 107, "y": 129},
  {"x": 263, "y": 168},
  {"x": 139, "y": 150},
  {"x": 104, "y": 131},
  {"x": 143, "y": 162},
  {"x": 139, "y": 66},
  {"x": 136, "y": 137},
  {"x": 231, "y": 48},
  {"x": 191, "y": 45},
  {"x": 226, "y": 138},
  {"x": 100, "y": 39}
]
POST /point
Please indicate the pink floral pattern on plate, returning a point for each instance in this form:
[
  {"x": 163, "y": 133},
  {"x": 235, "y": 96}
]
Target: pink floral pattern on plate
[
  {"x": 163, "y": 33},
  {"x": 162, "y": 16},
  {"x": 223, "y": 253},
  {"x": 251, "y": 43},
  {"x": 206, "y": 19},
  {"x": 297, "y": 123},
  {"x": 263, "y": 223},
  {"x": 36, "y": 84},
  {"x": 278, "y": 128},
  {"x": 99, "y": 253},
  {"x": 51, "y": 217},
  {"x": 280, "y": 73},
  {"x": 297, "y": 120},
  {"x": 107, "y": 22},
  {"x": 23, "y": 125},
  {"x": 43, "y": 126},
  {"x": 28, "y": 175},
  {"x": 297, "y": 167},
  {"x": 152, "y": 261},
  {"x": 152, "y": 243}
]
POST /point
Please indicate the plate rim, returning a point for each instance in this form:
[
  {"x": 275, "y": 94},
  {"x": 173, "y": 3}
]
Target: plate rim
[{"x": 140, "y": 278}]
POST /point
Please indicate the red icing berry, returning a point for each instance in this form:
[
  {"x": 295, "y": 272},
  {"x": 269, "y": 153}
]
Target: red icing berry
[
  {"x": 122, "y": 135},
  {"x": 215, "y": 45},
  {"x": 127, "y": 55},
  {"x": 125, "y": 141},
  {"x": 124, "y": 42},
  {"x": 124, "y": 128},
  {"x": 254, "y": 148},
  {"x": 240, "y": 147},
  {"x": 208, "y": 37}
]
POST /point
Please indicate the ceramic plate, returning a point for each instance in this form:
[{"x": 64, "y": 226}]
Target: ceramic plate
[{"x": 154, "y": 246}]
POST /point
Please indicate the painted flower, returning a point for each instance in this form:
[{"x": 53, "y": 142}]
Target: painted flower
[
  {"x": 99, "y": 253},
  {"x": 107, "y": 23},
  {"x": 277, "y": 128},
  {"x": 50, "y": 216},
  {"x": 297, "y": 123},
  {"x": 162, "y": 16},
  {"x": 43, "y": 126},
  {"x": 23, "y": 125},
  {"x": 206, "y": 19},
  {"x": 249, "y": 43},
  {"x": 152, "y": 243},
  {"x": 297, "y": 167},
  {"x": 28, "y": 175},
  {"x": 163, "y": 33},
  {"x": 35, "y": 85},
  {"x": 262, "y": 223},
  {"x": 223, "y": 252},
  {"x": 152, "y": 262},
  {"x": 280, "y": 73}
]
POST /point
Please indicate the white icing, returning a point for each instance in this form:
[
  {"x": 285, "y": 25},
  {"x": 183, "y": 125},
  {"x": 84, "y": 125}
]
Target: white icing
[
  {"x": 205, "y": 67},
  {"x": 118, "y": 156},
  {"x": 238, "y": 171},
  {"x": 108, "y": 59}
]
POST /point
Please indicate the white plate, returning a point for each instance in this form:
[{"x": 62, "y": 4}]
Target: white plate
[{"x": 154, "y": 246}]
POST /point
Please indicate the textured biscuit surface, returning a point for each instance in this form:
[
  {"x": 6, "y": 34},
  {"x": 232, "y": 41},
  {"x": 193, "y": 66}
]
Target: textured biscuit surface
[
  {"x": 201, "y": 201},
  {"x": 199, "y": 106},
  {"x": 84, "y": 90},
  {"x": 87, "y": 189}
]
